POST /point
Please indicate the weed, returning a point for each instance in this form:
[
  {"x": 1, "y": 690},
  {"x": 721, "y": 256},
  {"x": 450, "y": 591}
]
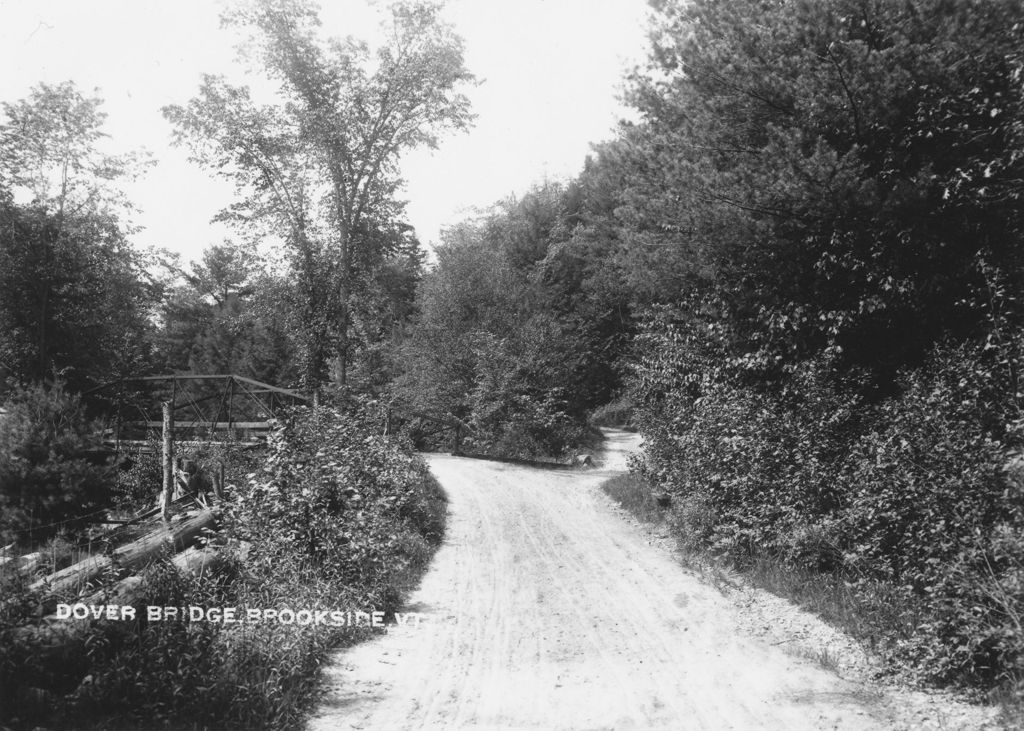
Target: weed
[
  {"x": 827, "y": 660},
  {"x": 636, "y": 495}
]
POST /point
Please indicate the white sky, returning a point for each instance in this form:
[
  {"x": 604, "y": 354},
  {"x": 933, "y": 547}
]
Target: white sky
[{"x": 551, "y": 73}]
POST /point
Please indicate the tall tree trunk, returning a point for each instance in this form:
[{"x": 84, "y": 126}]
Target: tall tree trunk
[
  {"x": 314, "y": 361},
  {"x": 344, "y": 289},
  {"x": 344, "y": 211}
]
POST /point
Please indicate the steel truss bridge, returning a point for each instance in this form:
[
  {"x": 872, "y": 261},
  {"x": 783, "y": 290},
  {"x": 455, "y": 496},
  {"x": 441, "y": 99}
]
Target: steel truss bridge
[{"x": 218, "y": 407}]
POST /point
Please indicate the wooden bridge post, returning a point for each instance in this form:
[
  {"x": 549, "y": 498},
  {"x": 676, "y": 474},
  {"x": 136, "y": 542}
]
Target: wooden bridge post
[
  {"x": 168, "y": 459},
  {"x": 218, "y": 480}
]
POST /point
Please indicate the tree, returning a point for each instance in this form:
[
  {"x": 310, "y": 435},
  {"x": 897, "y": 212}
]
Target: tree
[
  {"x": 501, "y": 338},
  {"x": 225, "y": 270},
  {"x": 50, "y": 150},
  {"x": 47, "y": 481},
  {"x": 321, "y": 166},
  {"x": 73, "y": 293},
  {"x": 840, "y": 174},
  {"x": 471, "y": 290},
  {"x": 223, "y": 318}
]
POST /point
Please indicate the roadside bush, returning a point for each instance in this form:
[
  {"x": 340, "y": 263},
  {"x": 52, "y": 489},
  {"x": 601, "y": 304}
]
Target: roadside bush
[
  {"x": 752, "y": 471},
  {"x": 930, "y": 510},
  {"x": 47, "y": 480},
  {"x": 909, "y": 493},
  {"x": 523, "y": 403},
  {"x": 525, "y": 427},
  {"x": 335, "y": 518},
  {"x": 338, "y": 500},
  {"x": 145, "y": 671}
]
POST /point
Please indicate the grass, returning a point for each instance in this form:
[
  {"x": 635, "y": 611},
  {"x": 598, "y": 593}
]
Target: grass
[
  {"x": 826, "y": 595},
  {"x": 826, "y": 660},
  {"x": 637, "y": 497},
  {"x": 876, "y": 616},
  {"x": 618, "y": 413}
]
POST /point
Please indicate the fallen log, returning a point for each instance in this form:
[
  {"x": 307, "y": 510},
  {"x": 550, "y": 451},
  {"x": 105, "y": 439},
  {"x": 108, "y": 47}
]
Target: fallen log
[
  {"x": 23, "y": 564},
  {"x": 180, "y": 536},
  {"x": 194, "y": 561},
  {"x": 73, "y": 576},
  {"x": 59, "y": 637},
  {"x": 132, "y": 555}
]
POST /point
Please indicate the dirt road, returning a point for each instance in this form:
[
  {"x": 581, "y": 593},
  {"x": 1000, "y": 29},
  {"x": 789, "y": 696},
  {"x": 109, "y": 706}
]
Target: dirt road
[{"x": 545, "y": 609}]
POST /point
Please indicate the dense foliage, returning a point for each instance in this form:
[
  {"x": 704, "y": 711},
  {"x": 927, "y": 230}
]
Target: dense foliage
[
  {"x": 848, "y": 170},
  {"x": 497, "y": 340},
  {"x": 50, "y": 476},
  {"x": 342, "y": 502},
  {"x": 73, "y": 298},
  {"x": 318, "y": 168},
  {"x": 338, "y": 518},
  {"x": 220, "y": 318},
  {"x": 835, "y": 382}
]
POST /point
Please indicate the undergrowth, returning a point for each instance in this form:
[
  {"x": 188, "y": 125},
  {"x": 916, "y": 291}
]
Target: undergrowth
[
  {"x": 877, "y": 614},
  {"x": 336, "y": 518},
  {"x": 636, "y": 496}
]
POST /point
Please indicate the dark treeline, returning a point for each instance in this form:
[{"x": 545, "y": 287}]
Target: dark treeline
[
  {"x": 519, "y": 325},
  {"x": 802, "y": 269}
]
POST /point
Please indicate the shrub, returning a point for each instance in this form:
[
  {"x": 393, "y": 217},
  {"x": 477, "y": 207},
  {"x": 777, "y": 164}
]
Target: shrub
[
  {"x": 140, "y": 478},
  {"x": 48, "y": 478},
  {"x": 908, "y": 493},
  {"x": 522, "y": 402},
  {"x": 337, "y": 517},
  {"x": 929, "y": 510},
  {"x": 337, "y": 498},
  {"x": 751, "y": 470}
]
